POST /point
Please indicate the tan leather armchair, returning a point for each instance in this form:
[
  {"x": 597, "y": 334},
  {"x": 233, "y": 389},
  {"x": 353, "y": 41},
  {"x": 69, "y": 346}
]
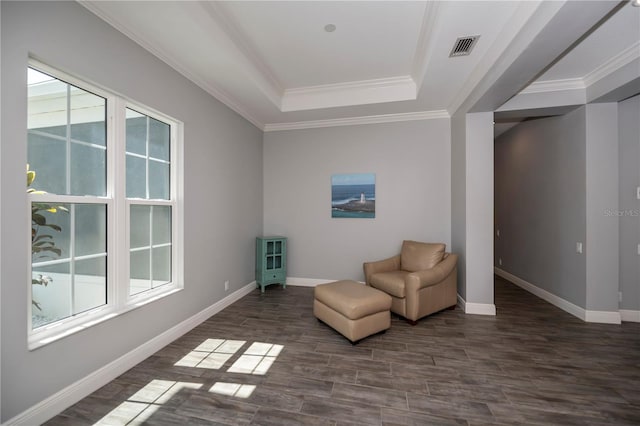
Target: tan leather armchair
[{"x": 421, "y": 280}]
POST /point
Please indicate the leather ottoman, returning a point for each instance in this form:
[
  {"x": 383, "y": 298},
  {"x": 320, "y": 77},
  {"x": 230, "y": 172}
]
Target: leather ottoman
[{"x": 352, "y": 309}]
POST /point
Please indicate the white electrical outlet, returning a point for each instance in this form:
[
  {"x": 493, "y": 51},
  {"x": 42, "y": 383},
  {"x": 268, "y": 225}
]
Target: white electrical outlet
[
  {"x": 498, "y": 233},
  {"x": 619, "y": 296},
  {"x": 638, "y": 249},
  {"x": 226, "y": 285},
  {"x": 500, "y": 261},
  {"x": 578, "y": 247},
  {"x": 638, "y": 193}
]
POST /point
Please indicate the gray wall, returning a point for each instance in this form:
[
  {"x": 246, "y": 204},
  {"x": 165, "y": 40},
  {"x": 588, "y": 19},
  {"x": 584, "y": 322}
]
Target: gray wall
[
  {"x": 629, "y": 175},
  {"x": 411, "y": 161},
  {"x": 540, "y": 199},
  {"x": 602, "y": 194},
  {"x": 459, "y": 197},
  {"x": 222, "y": 193},
  {"x": 472, "y": 207},
  {"x": 480, "y": 206}
]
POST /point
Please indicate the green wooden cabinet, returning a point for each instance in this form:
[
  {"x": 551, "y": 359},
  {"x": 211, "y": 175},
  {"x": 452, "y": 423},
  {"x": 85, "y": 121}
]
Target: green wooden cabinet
[{"x": 271, "y": 261}]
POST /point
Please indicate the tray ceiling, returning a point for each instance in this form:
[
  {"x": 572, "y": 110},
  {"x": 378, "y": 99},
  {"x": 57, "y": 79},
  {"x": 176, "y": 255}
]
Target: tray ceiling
[{"x": 275, "y": 64}]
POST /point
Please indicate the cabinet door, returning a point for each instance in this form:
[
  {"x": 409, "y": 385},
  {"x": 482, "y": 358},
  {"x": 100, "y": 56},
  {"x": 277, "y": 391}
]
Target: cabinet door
[{"x": 274, "y": 257}]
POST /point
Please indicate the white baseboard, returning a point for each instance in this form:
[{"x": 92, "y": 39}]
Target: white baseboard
[
  {"x": 476, "y": 308},
  {"x": 629, "y": 316},
  {"x": 604, "y": 317},
  {"x": 306, "y": 282},
  {"x": 561, "y": 303},
  {"x": 73, "y": 393}
]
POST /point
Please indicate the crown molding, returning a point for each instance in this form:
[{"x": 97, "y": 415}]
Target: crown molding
[
  {"x": 609, "y": 67},
  {"x": 216, "y": 92},
  {"x": 554, "y": 86},
  {"x": 347, "y": 94},
  {"x": 614, "y": 64},
  {"x": 351, "y": 121},
  {"x": 426, "y": 40}
]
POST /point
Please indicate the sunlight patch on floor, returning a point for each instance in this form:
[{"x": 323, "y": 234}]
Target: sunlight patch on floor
[
  {"x": 257, "y": 359},
  {"x": 211, "y": 354},
  {"x": 141, "y": 405},
  {"x": 232, "y": 389}
]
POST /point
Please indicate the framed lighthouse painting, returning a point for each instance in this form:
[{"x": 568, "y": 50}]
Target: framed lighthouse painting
[{"x": 353, "y": 195}]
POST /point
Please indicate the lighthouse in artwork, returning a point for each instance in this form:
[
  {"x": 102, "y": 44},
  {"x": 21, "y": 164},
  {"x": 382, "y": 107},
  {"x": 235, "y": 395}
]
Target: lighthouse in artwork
[{"x": 362, "y": 199}]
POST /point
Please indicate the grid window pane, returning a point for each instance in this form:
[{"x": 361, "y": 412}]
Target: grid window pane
[
  {"x": 65, "y": 122},
  {"x": 159, "y": 137},
  {"x": 47, "y": 103},
  {"x": 150, "y": 247},
  {"x": 90, "y": 284},
  {"x": 148, "y": 157},
  {"x": 161, "y": 224},
  {"x": 140, "y": 272},
  {"x": 68, "y": 260},
  {"x": 50, "y": 231},
  {"x": 161, "y": 266},
  {"x": 88, "y": 170},
  {"x": 136, "y": 177},
  {"x": 47, "y": 156},
  {"x": 51, "y": 299},
  {"x": 136, "y": 133},
  {"x": 158, "y": 180},
  {"x": 91, "y": 229},
  {"x": 87, "y": 116},
  {"x": 94, "y": 133},
  {"x": 139, "y": 225}
]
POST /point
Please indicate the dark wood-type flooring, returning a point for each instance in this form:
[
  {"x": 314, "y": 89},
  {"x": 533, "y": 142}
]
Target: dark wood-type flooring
[{"x": 531, "y": 364}]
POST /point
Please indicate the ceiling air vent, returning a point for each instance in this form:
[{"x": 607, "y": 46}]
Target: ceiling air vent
[{"x": 463, "y": 46}]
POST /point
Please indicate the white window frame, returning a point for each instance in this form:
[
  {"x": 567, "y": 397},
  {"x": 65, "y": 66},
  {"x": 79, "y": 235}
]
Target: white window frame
[{"x": 118, "y": 222}]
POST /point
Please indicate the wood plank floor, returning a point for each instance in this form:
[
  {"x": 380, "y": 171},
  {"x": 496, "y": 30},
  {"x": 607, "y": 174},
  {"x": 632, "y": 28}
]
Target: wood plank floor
[{"x": 531, "y": 364}]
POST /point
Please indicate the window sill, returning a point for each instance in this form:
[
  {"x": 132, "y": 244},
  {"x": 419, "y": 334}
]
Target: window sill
[{"x": 69, "y": 326}]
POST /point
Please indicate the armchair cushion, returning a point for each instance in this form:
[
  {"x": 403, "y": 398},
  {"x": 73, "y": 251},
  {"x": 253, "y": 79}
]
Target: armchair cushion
[
  {"x": 392, "y": 283},
  {"x": 416, "y": 256}
]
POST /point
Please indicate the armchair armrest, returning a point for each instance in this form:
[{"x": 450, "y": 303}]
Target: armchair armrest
[
  {"x": 386, "y": 265},
  {"x": 421, "y": 279}
]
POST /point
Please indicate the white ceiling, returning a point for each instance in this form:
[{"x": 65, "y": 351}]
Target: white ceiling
[
  {"x": 292, "y": 43},
  {"x": 618, "y": 34},
  {"x": 273, "y": 62}
]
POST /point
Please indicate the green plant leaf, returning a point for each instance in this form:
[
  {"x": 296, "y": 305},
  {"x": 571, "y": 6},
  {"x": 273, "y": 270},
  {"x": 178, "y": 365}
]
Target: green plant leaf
[
  {"x": 38, "y": 219},
  {"x": 36, "y": 304},
  {"x": 43, "y": 244},
  {"x": 41, "y": 237}
]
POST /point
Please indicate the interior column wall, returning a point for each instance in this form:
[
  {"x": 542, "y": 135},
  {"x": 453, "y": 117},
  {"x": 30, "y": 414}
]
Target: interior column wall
[
  {"x": 602, "y": 195},
  {"x": 480, "y": 207},
  {"x": 472, "y": 208},
  {"x": 629, "y": 211},
  {"x": 459, "y": 198}
]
